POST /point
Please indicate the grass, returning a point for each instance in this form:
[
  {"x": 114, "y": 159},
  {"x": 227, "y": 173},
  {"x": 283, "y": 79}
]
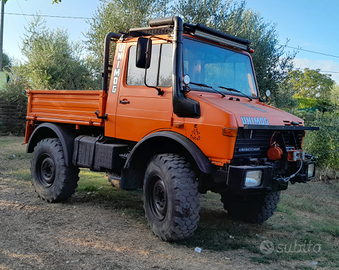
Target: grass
[
  {"x": 304, "y": 230},
  {"x": 94, "y": 186},
  {"x": 14, "y": 162}
]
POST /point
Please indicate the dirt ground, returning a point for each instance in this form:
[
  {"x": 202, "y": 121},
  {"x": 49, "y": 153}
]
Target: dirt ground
[
  {"x": 87, "y": 233},
  {"x": 84, "y": 235}
]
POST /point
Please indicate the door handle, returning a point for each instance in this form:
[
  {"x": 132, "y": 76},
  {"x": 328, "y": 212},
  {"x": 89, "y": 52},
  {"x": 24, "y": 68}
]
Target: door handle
[{"x": 124, "y": 101}]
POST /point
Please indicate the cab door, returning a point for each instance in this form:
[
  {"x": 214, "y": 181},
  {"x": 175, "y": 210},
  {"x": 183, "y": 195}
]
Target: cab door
[{"x": 140, "y": 109}]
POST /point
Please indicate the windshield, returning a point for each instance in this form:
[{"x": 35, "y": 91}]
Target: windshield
[{"x": 217, "y": 66}]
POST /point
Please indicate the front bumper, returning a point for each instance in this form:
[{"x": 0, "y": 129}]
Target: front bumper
[{"x": 241, "y": 177}]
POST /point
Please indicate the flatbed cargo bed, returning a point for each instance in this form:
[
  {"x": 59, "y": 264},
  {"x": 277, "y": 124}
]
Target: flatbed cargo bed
[{"x": 67, "y": 106}]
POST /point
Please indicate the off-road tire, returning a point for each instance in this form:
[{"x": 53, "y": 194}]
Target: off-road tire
[
  {"x": 255, "y": 208},
  {"x": 52, "y": 179},
  {"x": 171, "y": 197}
]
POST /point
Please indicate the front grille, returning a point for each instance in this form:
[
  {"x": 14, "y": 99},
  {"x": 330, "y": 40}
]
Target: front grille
[{"x": 254, "y": 143}]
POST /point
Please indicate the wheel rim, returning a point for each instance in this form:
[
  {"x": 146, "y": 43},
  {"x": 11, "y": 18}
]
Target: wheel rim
[
  {"x": 46, "y": 170},
  {"x": 158, "y": 198}
]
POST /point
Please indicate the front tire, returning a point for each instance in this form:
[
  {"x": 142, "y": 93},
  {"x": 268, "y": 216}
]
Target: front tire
[
  {"x": 171, "y": 197},
  {"x": 253, "y": 208},
  {"x": 52, "y": 179}
]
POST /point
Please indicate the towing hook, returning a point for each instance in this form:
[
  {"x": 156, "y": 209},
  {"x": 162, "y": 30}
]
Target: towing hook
[
  {"x": 282, "y": 180},
  {"x": 310, "y": 157}
]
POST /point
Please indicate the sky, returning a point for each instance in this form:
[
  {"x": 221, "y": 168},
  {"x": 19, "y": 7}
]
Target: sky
[{"x": 310, "y": 25}]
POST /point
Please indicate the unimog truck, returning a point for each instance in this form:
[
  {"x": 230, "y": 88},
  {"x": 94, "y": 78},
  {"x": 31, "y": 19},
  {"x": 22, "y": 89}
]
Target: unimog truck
[{"x": 179, "y": 114}]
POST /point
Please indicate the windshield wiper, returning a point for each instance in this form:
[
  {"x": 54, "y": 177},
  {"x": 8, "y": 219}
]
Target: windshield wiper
[
  {"x": 208, "y": 86},
  {"x": 235, "y": 90}
]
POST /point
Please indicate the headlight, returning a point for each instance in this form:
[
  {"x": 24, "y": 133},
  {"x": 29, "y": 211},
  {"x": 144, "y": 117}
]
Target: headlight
[
  {"x": 253, "y": 178},
  {"x": 310, "y": 170}
]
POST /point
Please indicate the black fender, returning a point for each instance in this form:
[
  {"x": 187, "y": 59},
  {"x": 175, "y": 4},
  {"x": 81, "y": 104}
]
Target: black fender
[
  {"x": 156, "y": 143},
  {"x": 64, "y": 133}
]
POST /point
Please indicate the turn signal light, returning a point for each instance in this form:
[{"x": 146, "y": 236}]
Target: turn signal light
[{"x": 229, "y": 132}]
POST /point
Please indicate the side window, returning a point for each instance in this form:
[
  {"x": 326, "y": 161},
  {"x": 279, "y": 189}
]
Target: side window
[
  {"x": 135, "y": 76},
  {"x": 152, "y": 72},
  {"x": 165, "y": 69},
  {"x": 159, "y": 72}
]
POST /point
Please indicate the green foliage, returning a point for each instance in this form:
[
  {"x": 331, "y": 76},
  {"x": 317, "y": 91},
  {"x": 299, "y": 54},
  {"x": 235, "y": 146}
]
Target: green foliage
[
  {"x": 14, "y": 99},
  {"x": 115, "y": 16},
  {"x": 334, "y": 97},
  {"x": 15, "y": 89},
  {"x": 323, "y": 144},
  {"x": 6, "y": 62},
  {"x": 313, "y": 104},
  {"x": 322, "y": 113},
  {"x": 305, "y": 103},
  {"x": 212, "y": 13},
  {"x": 317, "y": 98},
  {"x": 282, "y": 97},
  {"x": 311, "y": 83},
  {"x": 53, "y": 62},
  {"x": 14, "y": 92}
]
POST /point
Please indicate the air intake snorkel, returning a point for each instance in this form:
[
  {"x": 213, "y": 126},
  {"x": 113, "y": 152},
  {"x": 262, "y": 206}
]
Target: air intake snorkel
[{"x": 182, "y": 106}]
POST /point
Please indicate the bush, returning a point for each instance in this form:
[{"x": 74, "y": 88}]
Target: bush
[
  {"x": 313, "y": 104},
  {"x": 13, "y": 106},
  {"x": 15, "y": 93},
  {"x": 323, "y": 144}
]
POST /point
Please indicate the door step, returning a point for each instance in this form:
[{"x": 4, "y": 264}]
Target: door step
[{"x": 114, "y": 179}]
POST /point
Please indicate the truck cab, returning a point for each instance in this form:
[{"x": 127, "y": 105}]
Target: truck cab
[{"x": 179, "y": 114}]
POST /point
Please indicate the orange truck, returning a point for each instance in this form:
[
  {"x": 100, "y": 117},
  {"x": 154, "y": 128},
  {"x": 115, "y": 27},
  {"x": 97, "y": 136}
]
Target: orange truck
[{"x": 179, "y": 115}]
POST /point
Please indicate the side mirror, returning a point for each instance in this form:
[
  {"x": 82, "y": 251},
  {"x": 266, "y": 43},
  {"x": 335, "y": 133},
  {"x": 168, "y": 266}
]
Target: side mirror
[
  {"x": 144, "y": 52},
  {"x": 268, "y": 93}
]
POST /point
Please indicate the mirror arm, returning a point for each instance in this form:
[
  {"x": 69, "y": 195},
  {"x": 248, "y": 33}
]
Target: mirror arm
[{"x": 160, "y": 92}]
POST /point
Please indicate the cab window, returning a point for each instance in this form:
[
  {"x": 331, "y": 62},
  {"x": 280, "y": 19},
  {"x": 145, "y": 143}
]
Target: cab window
[{"x": 160, "y": 71}]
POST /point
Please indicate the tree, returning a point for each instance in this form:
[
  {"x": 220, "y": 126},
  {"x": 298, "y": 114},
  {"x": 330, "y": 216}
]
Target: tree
[
  {"x": 335, "y": 96},
  {"x": 15, "y": 93},
  {"x": 120, "y": 15},
  {"x": 212, "y": 13},
  {"x": 283, "y": 97},
  {"x": 271, "y": 62},
  {"x": 53, "y": 62},
  {"x": 6, "y": 62},
  {"x": 311, "y": 83}
]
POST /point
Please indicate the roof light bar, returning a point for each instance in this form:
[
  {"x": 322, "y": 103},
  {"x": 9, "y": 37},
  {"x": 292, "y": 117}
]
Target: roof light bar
[
  {"x": 221, "y": 40},
  {"x": 150, "y": 31}
]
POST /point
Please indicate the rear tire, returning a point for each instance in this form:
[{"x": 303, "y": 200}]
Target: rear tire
[
  {"x": 253, "y": 208},
  {"x": 52, "y": 179},
  {"x": 171, "y": 197}
]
